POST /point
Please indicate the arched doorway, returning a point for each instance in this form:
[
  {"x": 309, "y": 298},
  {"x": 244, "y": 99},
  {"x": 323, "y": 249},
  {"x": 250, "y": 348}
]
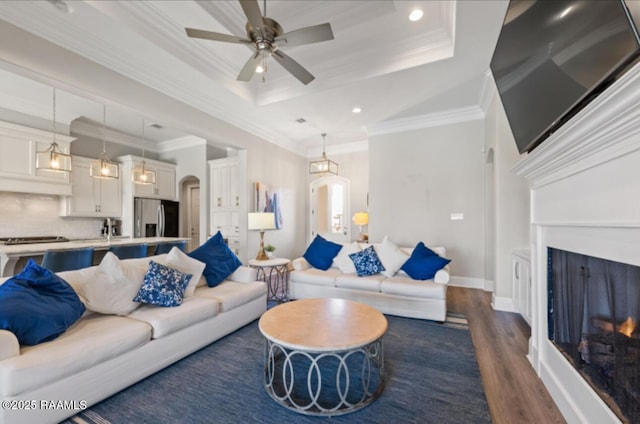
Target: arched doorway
[{"x": 330, "y": 214}]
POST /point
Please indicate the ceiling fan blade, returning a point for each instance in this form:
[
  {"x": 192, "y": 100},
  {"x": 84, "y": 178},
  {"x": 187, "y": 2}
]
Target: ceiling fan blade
[
  {"x": 251, "y": 9},
  {"x": 249, "y": 68},
  {"x": 216, "y": 36},
  {"x": 293, "y": 67},
  {"x": 307, "y": 35}
]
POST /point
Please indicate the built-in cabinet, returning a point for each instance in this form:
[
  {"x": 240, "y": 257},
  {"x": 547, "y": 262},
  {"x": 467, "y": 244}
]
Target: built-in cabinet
[
  {"x": 521, "y": 279},
  {"x": 18, "y": 147},
  {"x": 164, "y": 188},
  {"x": 225, "y": 200},
  {"x": 92, "y": 197}
]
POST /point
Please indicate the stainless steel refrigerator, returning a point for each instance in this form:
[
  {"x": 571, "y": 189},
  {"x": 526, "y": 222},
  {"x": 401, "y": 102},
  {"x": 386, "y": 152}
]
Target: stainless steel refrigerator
[{"x": 155, "y": 218}]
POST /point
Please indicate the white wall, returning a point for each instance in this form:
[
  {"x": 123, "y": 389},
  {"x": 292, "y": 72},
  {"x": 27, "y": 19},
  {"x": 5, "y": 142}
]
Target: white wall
[
  {"x": 285, "y": 172},
  {"x": 418, "y": 178},
  {"x": 511, "y": 204}
]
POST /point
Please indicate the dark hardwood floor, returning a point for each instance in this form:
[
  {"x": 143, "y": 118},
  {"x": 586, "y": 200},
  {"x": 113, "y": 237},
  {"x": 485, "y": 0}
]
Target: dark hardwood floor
[{"x": 514, "y": 392}]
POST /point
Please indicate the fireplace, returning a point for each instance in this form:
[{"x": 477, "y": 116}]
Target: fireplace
[{"x": 593, "y": 308}]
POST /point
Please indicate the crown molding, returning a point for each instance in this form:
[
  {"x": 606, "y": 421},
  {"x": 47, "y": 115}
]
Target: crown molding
[
  {"x": 180, "y": 143},
  {"x": 436, "y": 119},
  {"x": 487, "y": 91},
  {"x": 607, "y": 128}
]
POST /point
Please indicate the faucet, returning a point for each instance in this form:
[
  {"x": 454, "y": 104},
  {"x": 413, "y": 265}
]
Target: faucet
[{"x": 109, "y": 230}]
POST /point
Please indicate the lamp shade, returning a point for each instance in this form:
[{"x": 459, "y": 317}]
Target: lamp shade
[
  {"x": 361, "y": 218},
  {"x": 261, "y": 221}
]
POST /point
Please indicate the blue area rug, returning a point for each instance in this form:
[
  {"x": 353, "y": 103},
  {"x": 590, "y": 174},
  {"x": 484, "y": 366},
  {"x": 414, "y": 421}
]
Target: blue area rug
[{"x": 432, "y": 377}]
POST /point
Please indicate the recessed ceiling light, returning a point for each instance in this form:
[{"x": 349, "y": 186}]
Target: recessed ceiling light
[
  {"x": 62, "y": 6},
  {"x": 356, "y": 110},
  {"x": 416, "y": 15}
]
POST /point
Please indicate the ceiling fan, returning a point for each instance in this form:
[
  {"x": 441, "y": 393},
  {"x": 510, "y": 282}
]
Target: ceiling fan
[{"x": 267, "y": 36}]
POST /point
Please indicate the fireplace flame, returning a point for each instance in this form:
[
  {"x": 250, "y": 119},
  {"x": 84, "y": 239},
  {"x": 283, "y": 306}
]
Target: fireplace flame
[{"x": 627, "y": 327}]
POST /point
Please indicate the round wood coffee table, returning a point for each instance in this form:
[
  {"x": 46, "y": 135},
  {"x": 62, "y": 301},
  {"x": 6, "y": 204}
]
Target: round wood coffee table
[{"x": 324, "y": 356}]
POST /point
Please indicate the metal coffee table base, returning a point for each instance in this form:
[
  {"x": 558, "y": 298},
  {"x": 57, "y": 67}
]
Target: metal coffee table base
[{"x": 324, "y": 383}]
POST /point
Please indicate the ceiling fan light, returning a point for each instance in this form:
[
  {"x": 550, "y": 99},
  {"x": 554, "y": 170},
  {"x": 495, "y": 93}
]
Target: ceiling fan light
[{"x": 259, "y": 69}]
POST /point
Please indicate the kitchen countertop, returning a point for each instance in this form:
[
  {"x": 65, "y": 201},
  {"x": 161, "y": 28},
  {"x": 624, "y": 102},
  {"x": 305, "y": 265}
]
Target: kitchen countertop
[{"x": 97, "y": 243}]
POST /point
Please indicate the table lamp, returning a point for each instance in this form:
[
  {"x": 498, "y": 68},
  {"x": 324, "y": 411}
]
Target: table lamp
[
  {"x": 260, "y": 221},
  {"x": 361, "y": 219}
]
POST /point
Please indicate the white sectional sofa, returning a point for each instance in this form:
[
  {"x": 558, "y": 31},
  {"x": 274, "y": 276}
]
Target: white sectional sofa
[
  {"x": 396, "y": 295},
  {"x": 101, "y": 354}
]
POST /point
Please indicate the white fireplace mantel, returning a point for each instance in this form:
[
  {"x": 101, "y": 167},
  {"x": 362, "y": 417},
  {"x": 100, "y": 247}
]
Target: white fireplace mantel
[{"x": 585, "y": 198}]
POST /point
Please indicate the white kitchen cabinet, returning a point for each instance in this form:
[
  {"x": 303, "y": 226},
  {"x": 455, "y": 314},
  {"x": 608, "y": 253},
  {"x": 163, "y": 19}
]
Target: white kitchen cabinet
[
  {"x": 225, "y": 198},
  {"x": 18, "y": 147},
  {"x": 521, "y": 282},
  {"x": 96, "y": 197}
]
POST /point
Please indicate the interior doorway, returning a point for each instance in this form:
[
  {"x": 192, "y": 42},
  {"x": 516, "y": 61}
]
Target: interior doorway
[
  {"x": 330, "y": 210},
  {"x": 191, "y": 212}
]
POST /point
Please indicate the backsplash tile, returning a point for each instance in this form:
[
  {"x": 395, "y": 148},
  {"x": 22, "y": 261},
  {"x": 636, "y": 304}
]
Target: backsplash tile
[{"x": 23, "y": 214}]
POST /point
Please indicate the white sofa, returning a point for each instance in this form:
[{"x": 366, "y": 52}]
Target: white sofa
[
  {"x": 100, "y": 354},
  {"x": 397, "y": 295}
]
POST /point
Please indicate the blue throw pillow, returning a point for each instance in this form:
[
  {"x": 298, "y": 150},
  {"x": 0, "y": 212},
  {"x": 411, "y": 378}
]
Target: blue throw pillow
[
  {"x": 163, "y": 286},
  {"x": 37, "y": 305},
  {"x": 321, "y": 252},
  {"x": 219, "y": 259},
  {"x": 366, "y": 262},
  {"x": 424, "y": 263}
]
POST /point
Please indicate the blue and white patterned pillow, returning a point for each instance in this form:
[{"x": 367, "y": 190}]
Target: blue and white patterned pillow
[
  {"x": 366, "y": 262},
  {"x": 163, "y": 286}
]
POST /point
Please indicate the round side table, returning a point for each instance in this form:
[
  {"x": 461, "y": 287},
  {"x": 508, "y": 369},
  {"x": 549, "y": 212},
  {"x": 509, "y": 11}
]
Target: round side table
[{"x": 275, "y": 273}]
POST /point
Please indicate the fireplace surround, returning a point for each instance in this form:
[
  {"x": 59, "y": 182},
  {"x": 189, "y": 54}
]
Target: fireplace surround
[{"x": 585, "y": 198}]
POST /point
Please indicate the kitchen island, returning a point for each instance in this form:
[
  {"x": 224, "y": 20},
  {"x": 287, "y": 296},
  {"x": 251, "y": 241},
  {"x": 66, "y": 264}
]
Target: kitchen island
[{"x": 14, "y": 256}]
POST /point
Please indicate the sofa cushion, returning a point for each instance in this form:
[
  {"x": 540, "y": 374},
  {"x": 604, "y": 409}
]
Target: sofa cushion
[
  {"x": 367, "y": 283},
  {"x": 321, "y": 252},
  {"x": 162, "y": 286},
  {"x": 366, "y": 262},
  {"x": 406, "y": 286},
  {"x": 424, "y": 263},
  {"x": 37, "y": 306},
  {"x": 316, "y": 276},
  {"x": 219, "y": 260},
  {"x": 343, "y": 262},
  {"x": 90, "y": 341},
  {"x": 391, "y": 256},
  {"x": 114, "y": 285},
  {"x": 169, "y": 320},
  {"x": 231, "y": 294},
  {"x": 179, "y": 260}
]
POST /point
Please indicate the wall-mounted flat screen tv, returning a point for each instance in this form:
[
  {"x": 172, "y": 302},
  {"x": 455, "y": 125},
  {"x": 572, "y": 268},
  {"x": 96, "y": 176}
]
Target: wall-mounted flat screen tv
[{"x": 553, "y": 57}]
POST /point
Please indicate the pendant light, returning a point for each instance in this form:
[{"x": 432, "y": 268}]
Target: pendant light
[
  {"x": 53, "y": 159},
  {"x": 324, "y": 165},
  {"x": 103, "y": 167},
  {"x": 140, "y": 174}
]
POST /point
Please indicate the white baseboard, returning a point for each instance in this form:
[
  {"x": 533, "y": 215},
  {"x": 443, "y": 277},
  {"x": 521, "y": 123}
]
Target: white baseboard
[
  {"x": 468, "y": 282},
  {"x": 504, "y": 304}
]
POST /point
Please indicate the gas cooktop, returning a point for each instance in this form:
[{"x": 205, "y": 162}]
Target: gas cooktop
[{"x": 7, "y": 241}]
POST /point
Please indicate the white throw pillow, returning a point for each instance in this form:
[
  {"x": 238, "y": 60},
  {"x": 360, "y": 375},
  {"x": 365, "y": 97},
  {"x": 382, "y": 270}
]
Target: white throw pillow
[
  {"x": 179, "y": 260},
  {"x": 391, "y": 256},
  {"x": 342, "y": 259},
  {"x": 114, "y": 286}
]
